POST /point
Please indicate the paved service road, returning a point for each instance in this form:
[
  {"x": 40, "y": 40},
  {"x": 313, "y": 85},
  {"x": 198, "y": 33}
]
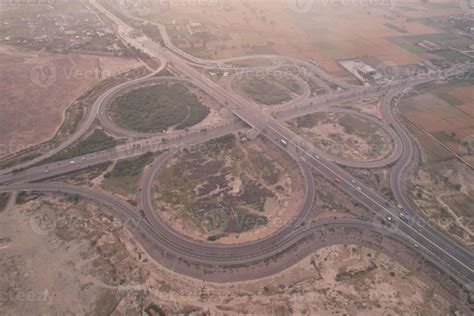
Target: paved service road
[
  {"x": 158, "y": 242},
  {"x": 454, "y": 259}
]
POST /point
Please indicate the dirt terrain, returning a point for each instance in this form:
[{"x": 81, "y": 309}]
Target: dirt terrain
[
  {"x": 82, "y": 262},
  {"x": 446, "y": 116},
  {"x": 444, "y": 194},
  {"x": 40, "y": 88},
  {"x": 371, "y": 106},
  {"x": 61, "y": 255},
  {"x": 267, "y": 89},
  {"x": 235, "y": 187},
  {"x": 343, "y": 135},
  {"x": 236, "y": 28}
]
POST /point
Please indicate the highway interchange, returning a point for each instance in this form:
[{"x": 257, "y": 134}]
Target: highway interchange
[{"x": 181, "y": 254}]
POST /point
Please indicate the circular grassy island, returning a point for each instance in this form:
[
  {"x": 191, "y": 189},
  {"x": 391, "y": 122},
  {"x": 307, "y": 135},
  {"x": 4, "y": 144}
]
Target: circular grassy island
[{"x": 152, "y": 109}]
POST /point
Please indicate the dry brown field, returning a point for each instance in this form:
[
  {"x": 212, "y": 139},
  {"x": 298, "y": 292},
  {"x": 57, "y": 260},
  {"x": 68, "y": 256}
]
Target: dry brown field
[
  {"x": 329, "y": 33},
  {"x": 39, "y": 88},
  {"x": 433, "y": 150},
  {"x": 466, "y": 95},
  {"x": 446, "y": 119},
  {"x": 450, "y": 124}
]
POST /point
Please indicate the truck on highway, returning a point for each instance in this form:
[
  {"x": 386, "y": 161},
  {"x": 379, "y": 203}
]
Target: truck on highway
[
  {"x": 284, "y": 142},
  {"x": 405, "y": 218}
]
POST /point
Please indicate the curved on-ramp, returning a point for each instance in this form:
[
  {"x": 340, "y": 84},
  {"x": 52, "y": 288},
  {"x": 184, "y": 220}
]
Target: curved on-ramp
[
  {"x": 215, "y": 264},
  {"x": 234, "y": 253},
  {"x": 387, "y": 130},
  {"x": 306, "y": 90}
]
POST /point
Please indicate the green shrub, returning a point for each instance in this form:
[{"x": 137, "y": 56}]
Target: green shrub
[
  {"x": 97, "y": 141},
  {"x": 156, "y": 108}
]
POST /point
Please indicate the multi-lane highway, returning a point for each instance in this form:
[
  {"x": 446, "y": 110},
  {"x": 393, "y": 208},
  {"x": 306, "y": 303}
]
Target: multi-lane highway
[
  {"x": 85, "y": 126},
  {"x": 454, "y": 259},
  {"x": 396, "y": 141}
]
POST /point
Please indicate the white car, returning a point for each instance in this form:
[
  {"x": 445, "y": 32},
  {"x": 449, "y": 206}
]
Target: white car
[
  {"x": 359, "y": 188},
  {"x": 71, "y": 162},
  {"x": 353, "y": 181},
  {"x": 317, "y": 157}
]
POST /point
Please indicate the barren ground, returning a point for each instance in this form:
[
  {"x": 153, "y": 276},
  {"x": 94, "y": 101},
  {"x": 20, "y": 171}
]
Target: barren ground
[
  {"x": 343, "y": 135},
  {"x": 63, "y": 256},
  {"x": 369, "y": 106},
  {"x": 267, "y": 89},
  {"x": 446, "y": 114},
  {"x": 444, "y": 193},
  {"x": 246, "y": 27},
  {"x": 32, "y": 108},
  {"x": 254, "y": 195}
]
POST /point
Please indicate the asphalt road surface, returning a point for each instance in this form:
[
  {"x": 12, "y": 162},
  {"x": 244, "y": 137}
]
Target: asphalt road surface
[{"x": 454, "y": 259}]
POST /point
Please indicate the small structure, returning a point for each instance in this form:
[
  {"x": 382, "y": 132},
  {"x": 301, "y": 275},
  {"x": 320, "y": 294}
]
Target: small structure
[
  {"x": 429, "y": 46},
  {"x": 361, "y": 70},
  {"x": 367, "y": 71}
]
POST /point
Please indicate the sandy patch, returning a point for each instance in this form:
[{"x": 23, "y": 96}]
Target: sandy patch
[
  {"x": 40, "y": 87},
  {"x": 279, "y": 209},
  {"x": 94, "y": 266},
  {"x": 328, "y": 133}
]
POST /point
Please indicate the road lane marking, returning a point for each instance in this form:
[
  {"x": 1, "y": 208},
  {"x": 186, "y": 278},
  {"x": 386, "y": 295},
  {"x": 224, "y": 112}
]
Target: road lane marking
[{"x": 374, "y": 201}]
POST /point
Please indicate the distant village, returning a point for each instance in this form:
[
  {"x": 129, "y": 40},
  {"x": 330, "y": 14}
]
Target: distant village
[{"x": 62, "y": 33}]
